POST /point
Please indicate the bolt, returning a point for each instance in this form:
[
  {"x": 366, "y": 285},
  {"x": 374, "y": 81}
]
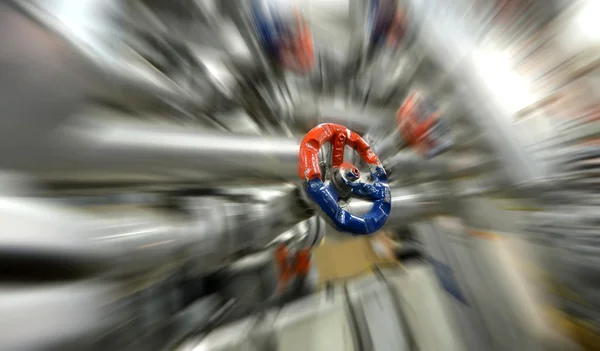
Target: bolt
[{"x": 353, "y": 174}]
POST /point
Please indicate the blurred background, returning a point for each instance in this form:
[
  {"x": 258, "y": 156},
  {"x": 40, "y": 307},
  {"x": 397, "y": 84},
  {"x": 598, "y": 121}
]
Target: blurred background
[{"x": 152, "y": 196}]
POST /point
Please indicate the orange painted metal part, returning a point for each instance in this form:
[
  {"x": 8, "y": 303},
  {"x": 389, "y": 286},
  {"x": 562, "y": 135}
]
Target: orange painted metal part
[
  {"x": 299, "y": 54},
  {"x": 290, "y": 266},
  {"x": 414, "y": 132},
  {"x": 339, "y": 136},
  {"x": 397, "y": 29},
  {"x": 337, "y": 151}
]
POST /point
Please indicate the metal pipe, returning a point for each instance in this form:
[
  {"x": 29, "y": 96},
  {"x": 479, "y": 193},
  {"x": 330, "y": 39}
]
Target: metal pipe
[
  {"x": 408, "y": 204},
  {"x": 357, "y": 118},
  {"x": 113, "y": 71},
  {"x": 117, "y": 150},
  {"x": 100, "y": 149},
  {"x": 92, "y": 314},
  {"x": 409, "y": 165},
  {"x": 56, "y": 316},
  {"x": 126, "y": 240},
  {"x": 73, "y": 55},
  {"x": 457, "y": 55},
  {"x": 388, "y": 146},
  {"x": 207, "y": 231}
]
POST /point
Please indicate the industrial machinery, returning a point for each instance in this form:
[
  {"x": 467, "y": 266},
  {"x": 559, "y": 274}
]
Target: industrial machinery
[{"x": 170, "y": 169}]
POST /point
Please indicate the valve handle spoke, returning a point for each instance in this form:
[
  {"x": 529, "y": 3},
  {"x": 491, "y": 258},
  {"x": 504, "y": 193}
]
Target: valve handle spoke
[{"x": 337, "y": 149}]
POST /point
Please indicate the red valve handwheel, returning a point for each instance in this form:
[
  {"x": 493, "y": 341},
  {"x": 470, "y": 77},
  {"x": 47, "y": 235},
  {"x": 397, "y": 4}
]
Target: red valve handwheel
[
  {"x": 325, "y": 194},
  {"x": 339, "y": 136}
]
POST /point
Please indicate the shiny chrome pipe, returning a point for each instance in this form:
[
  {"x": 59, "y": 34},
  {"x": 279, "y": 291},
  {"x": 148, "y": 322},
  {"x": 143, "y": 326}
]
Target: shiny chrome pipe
[
  {"x": 408, "y": 204},
  {"x": 57, "y": 315},
  {"x": 405, "y": 165},
  {"x": 125, "y": 240},
  {"x": 207, "y": 231},
  {"x": 456, "y": 51},
  {"x": 94, "y": 314},
  {"x": 100, "y": 149},
  {"x": 116, "y": 72},
  {"x": 125, "y": 151},
  {"x": 357, "y": 118}
]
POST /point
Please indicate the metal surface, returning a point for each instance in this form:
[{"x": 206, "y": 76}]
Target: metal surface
[
  {"x": 293, "y": 327},
  {"x": 407, "y": 166},
  {"x": 173, "y": 330},
  {"x": 55, "y": 315},
  {"x": 119, "y": 150},
  {"x": 113, "y": 148},
  {"x": 406, "y": 302},
  {"x": 209, "y": 231},
  {"x": 355, "y": 117},
  {"x": 378, "y": 316},
  {"x": 407, "y": 205},
  {"x": 455, "y": 277},
  {"x": 458, "y": 56},
  {"x": 119, "y": 70},
  {"x": 125, "y": 240},
  {"x": 423, "y": 305},
  {"x": 104, "y": 97}
]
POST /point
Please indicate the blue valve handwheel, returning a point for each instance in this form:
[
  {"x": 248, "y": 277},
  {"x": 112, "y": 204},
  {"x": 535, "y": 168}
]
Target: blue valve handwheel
[{"x": 324, "y": 193}]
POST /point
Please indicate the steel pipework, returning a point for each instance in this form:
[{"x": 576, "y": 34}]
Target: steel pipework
[
  {"x": 77, "y": 53},
  {"x": 74, "y": 54},
  {"x": 209, "y": 231},
  {"x": 456, "y": 51},
  {"x": 409, "y": 165},
  {"x": 358, "y": 118},
  {"x": 88, "y": 33},
  {"x": 117, "y": 150},
  {"x": 408, "y": 204},
  {"x": 56, "y": 316},
  {"x": 126, "y": 240},
  {"x": 93, "y": 314}
]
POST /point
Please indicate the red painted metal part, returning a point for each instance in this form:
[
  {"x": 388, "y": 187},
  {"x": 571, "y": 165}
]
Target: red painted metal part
[
  {"x": 298, "y": 54},
  {"x": 337, "y": 150},
  {"x": 291, "y": 265},
  {"x": 397, "y": 29},
  {"x": 281, "y": 260},
  {"x": 350, "y": 167},
  {"x": 414, "y": 132},
  {"x": 302, "y": 266},
  {"x": 339, "y": 136}
]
